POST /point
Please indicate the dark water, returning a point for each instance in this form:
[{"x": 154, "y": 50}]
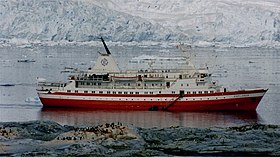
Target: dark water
[{"x": 233, "y": 68}]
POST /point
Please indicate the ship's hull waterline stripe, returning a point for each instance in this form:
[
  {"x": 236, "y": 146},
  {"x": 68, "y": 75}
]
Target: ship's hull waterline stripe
[{"x": 130, "y": 98}]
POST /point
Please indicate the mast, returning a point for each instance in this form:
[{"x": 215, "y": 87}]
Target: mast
[{"x": 105, "y": 46}]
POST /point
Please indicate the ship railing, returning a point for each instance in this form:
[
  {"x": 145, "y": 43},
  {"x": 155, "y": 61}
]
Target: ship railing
[
  {"x": 125, "y": 87},
  {"x": 95, "y": 81},
  {"x": 111, "y": 87},
  {"x": 99, "y": 87},
  {"x": 52, "y": 84},
  {"x": 89, "y": 79},
  {"x": 163, "y": 70},
  {"x": 152, "y": 87},
  {"x": 139, "y": 87}
]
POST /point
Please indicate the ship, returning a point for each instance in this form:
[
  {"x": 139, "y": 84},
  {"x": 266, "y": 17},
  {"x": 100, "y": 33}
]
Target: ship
[{"x": 105, "y": 87}]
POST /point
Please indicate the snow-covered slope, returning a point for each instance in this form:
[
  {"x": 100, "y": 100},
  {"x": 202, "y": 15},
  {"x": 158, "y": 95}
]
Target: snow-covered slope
[
  {"x": 224, "y": 22},
  {"x": 197, "y": 22},
  {"x": 70, "y": 20}
]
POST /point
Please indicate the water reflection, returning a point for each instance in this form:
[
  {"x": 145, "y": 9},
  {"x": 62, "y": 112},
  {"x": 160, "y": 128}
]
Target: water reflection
[
  {"x": 149, "y": 119},
  {"x": 19, "y": 112}
]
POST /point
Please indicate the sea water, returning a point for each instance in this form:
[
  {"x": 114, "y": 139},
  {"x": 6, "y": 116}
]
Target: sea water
[{"x": 234, "y": 68}]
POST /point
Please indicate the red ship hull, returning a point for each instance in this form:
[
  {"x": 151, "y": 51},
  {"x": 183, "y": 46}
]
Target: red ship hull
[{"x": 227, "y": 101}]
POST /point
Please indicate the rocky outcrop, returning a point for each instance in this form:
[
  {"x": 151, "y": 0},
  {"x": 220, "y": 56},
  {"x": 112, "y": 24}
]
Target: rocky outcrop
[
  {"x": 46, "y": 138},
  {"x": 254, "y": 139},
  {"x": 36, "y": 130}
]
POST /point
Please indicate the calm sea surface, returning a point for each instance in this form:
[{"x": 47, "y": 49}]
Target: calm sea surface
[{"x": 233, "y": 68}]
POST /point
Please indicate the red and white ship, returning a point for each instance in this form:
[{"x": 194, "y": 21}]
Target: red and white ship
[{"x": 105, "y": 86}]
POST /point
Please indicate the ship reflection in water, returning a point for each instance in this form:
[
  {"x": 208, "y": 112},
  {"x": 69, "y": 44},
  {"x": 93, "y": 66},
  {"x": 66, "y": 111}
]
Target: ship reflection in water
[{"x": 149, "y": 119}]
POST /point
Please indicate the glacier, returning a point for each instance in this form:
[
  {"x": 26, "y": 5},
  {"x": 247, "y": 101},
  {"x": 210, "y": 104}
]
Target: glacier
[{"x": 204, "y": 23}]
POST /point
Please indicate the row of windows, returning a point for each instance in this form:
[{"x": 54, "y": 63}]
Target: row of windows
[
  {"x": 88, "y": 83},
  {"x": 125, "y": 84},
  {"x": 200, "y": 92},
  {"x": 114, "y": 92},
  {"x": 167, "y": 99},
  {"x": 128, "y": 84}
]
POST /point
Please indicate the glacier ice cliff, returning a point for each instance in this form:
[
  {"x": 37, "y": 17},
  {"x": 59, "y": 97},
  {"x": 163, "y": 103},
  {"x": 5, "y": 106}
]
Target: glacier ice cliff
[
  {"x": 199, "y": 23},
  {"x": 74, "y": 21}
]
